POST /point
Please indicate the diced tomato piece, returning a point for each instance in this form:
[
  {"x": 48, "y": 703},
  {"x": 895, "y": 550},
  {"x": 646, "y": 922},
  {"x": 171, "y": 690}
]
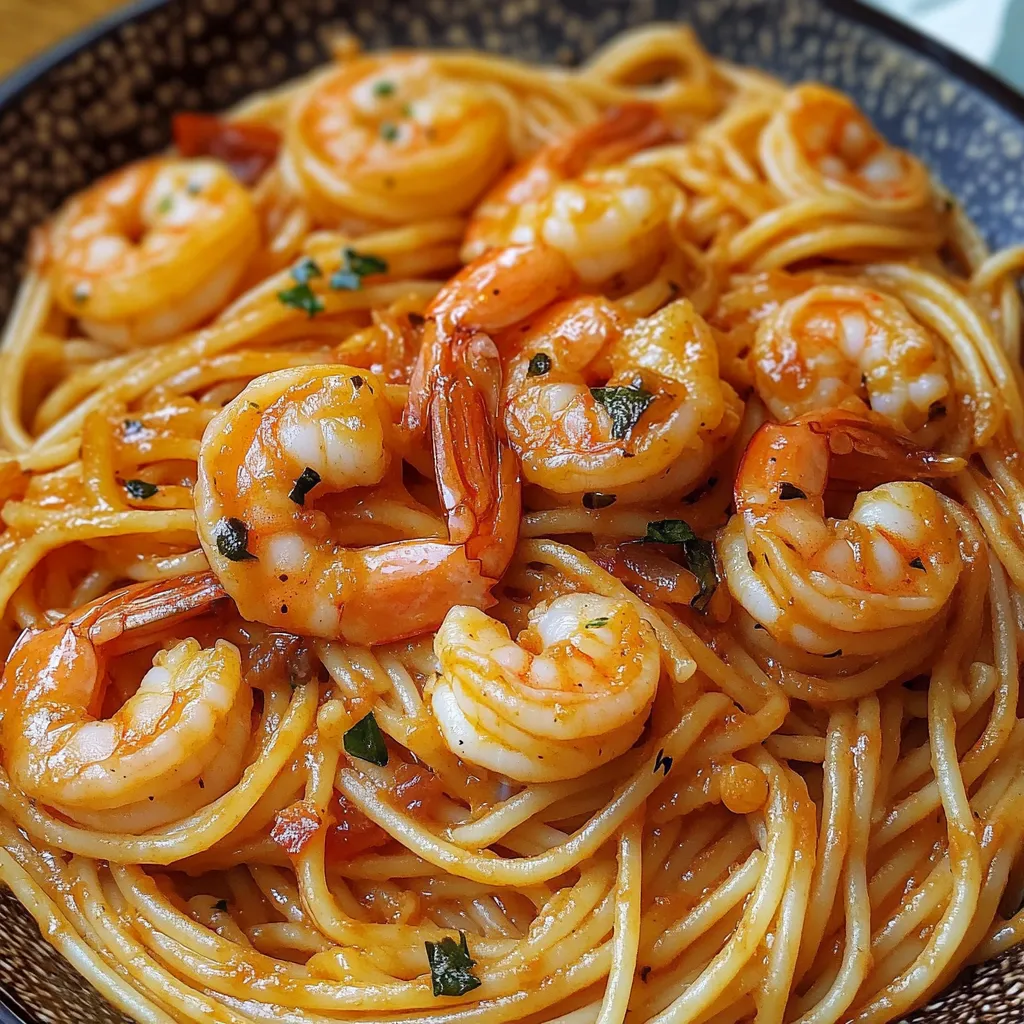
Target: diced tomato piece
[
  {"x": 351, "y": 832},
  {"x": 417, "y": 790},
  {"x": 247, "y": 148},
  {"x": 294, "y": 827}
]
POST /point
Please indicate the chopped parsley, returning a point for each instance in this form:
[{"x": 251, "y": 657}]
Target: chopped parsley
[
  {"x": 383, "y": 88},
  {"x": 306, "y": 481},
  {"x": 165, "y": 205},
  {"x": 389, "y": 131},
  {"x": 232, "y": 537},
  {"x": 698, "y": 554},
  {"x": 595, "y": 500},
  {"x": 670, "y": 531},
  {"x": 625, "y": 405},
  {"x": 450, "y": 964},
  {"x": 140, "y": 488},
  {"x": 305, "y": 270},
  {"x": 301, "y": 295},
  {"x": 788, "y": 491},
  {"x": 596, "y": 623},
  {"x": 354, "y": 267},
  {"x": 539, "y": 365},
  {"x": 365, "y": 741}
]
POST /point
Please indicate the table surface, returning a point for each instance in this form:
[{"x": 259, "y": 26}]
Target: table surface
[
  {"x": 987, "y": 31},
  {"x": 32, "y": 25}
]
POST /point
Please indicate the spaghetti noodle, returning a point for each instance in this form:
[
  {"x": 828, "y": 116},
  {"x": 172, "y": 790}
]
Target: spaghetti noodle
[{"x": 625, "y": 622}]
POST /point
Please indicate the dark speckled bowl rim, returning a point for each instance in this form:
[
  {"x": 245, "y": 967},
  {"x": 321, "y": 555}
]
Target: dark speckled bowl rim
[{"x": 25, "y": 76}]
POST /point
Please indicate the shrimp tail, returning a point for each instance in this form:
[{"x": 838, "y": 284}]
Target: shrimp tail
[
  {"x": 620, "y": 132},
  {"x": 477, "y": 474},
  {"x": 135, "y": 608},
  {"x": 491, "y": 293},
  {"x": 872, "y": 451}
]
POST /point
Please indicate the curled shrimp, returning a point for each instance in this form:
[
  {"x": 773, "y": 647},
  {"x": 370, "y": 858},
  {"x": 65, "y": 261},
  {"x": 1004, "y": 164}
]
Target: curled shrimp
[
  {"x": 392, "y": 139},
  {"x": 152, "y": 250},
  {"x": 862, "y": 584},
  {"x": 570, "y": 693},
  {"x": 303, "y": 450},
  {"x": 819, "y": 141},
  {"x": 611, "y": 222},
  {"x": 843, "y": 344},
  {"x": 596, "y": 403},
  {"x": 182, "y": 735}
]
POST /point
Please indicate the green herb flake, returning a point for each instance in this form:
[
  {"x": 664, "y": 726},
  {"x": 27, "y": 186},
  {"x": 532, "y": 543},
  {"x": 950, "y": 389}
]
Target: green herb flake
[
  {"x": 596, "y": 623},
  {"x": 165, "y": 205},
  {"x": 354, "y": 267},
  {"x": 789, "y": 492},
  {"x": 140, "y": 489},
  {"x": 301, "y": 296},
  {"x": 450, "y": 964},
  {"x": 232, "y": 538},
  {"x": 389, "y": 131},
  {"x": 670, "y": 531},
  {"x": 698, "y": 554},
  {"x": 306, "y": 481},
  {"x": 383, "y": 88},
  {"x": 625, "y": 405},
  {"x": 305, "y": 270},
  {"x": 595, "y": 500},
  {"x": 540, "y": 364},
  {"x": 193, "y": 188},
  {"x": 365, "y": 741}
]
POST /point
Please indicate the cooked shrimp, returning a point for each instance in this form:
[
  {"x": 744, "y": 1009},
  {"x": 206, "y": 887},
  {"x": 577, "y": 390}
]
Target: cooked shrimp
[
  {"x": 609, "y": 222},
  {"x": 595, "y": 403},
  {"x": 152, "y": 250},
  {"x": 862, "y": 584},
  {"x": 569, "y": 694},
  {"x": 502, "y": 288},
  {"x": 843, "y": 345},
  {"x": 184, "y": 720},
  {"x": 392, "y": 139},
  {"x": 274, "y": 465},
  {"x": 819, "y": 141}
]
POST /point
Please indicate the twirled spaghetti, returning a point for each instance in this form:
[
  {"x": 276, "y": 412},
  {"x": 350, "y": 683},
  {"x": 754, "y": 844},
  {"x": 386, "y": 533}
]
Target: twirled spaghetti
[{"x": 623, "y": 622}]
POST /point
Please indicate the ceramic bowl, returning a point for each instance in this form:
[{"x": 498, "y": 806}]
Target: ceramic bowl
[{"x": 107, "y": 96}]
